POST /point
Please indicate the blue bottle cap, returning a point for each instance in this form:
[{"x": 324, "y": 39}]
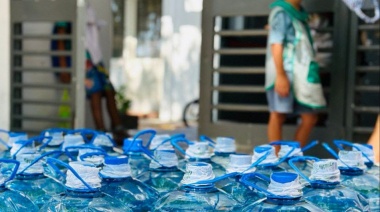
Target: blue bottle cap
[
  {"x": 115, "y": 160},
  {"x": 284, "y": 177},
  {"x": 132, "y": 146}
]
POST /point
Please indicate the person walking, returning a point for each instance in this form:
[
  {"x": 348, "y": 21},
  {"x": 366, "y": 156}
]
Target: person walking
[{"x": 292, "y": 77}]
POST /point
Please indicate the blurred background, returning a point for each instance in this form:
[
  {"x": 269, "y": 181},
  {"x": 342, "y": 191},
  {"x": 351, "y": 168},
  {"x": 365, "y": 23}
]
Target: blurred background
[{"x": 187, "y": 66}]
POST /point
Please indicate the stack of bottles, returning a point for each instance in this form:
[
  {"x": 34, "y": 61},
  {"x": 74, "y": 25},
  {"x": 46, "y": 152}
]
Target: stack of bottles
[{"x": 83, "y": 170}]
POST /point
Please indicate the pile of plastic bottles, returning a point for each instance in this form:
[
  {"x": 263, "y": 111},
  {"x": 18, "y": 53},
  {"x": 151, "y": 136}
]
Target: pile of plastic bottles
[{"x": 83, "y": 170}]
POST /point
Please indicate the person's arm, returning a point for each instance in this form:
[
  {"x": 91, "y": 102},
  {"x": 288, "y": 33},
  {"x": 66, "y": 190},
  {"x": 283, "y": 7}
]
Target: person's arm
[
  {"x": 277, "y": 35},
  {"x": 282, "y": 84},
  {"x": 374, "y": 140}
]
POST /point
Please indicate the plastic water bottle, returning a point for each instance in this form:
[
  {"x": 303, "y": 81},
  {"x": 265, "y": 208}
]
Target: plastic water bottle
[
  {"x": 196, "y": 151},
  {"x": 197, "y": 192},
  {"x": 12, "y": 201},
  {"x": 163, "y": 174},
  {"x": 284, "y": 193},
  {"x": 158, "y": 140},
  {"x": 367, "y": 152},
  {"x": 82, "y": 185},
  {"x": 87, "y": 153},
  {"x": 223, "y": 148},
  {"x": 31, "y": 181},
  {"x": 118, "y": 183},
  {"x": 7, "y": 142},
  {"x": 268, "y": 161},
  {"x": 56, "y": 140},
  {"x": 240, "y": 164},
  {"x": 352, "y": 169},
  {"x": 104, "y": 141},
  {"x": 323, "y": 187},
  {"x": 290, "y": 149},
  {"x": 136, "y": 152}
]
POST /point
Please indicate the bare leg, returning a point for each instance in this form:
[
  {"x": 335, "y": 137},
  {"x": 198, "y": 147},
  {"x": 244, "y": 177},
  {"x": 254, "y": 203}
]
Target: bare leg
[
  {"x": 119, "y": 133},
  {"x": 374, "y": 140},
  {"x": 304, "y": 129},
  {"x": 96, "y": 108},
  {"x": 276, "y": 120},
  {"x": 112, "y": 109}
]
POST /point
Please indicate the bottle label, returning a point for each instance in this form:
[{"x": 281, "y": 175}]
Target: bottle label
[{"x": 325, "y": 170}]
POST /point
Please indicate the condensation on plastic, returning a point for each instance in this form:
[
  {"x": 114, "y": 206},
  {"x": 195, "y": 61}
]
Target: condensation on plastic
[
  {"x": 271, "y": 157},
  {"x": 103, "y": 140},
  {"x": 87, "y": 172},
  {"x": 199, "y": 150},
  {"x": 116, "y": 171},
  {"x": 72, "y": 140},
  {"x": 366, "y": 150},
  {"x": 196, "y": 172},
  {"x": 285, "y": 149},
  {"x": 292, "y": 189},
  {"x": 352, "y": 159},
  {"x": 325, "y": 170},
  {"x": 164, "y": 158},
  {"x": 26, "y": 159},
  {"x": 225, "y": 145},
  {"x": 240, "y": 163},
  {"x": 57, "y": 138}
]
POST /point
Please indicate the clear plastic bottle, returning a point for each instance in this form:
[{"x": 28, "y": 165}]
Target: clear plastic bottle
[
  {"x": 284, "y": 193},
  {"x": 136, "y": 153},
  {"x": 323, "y": 187},
  {"x": 223, "y": 148},
  {"x": 118, "y": 183},
  {"x": 82, "y": 193},
  {"x": 197, "y": 192},
  {"x": 30, "y": 179},
  {"x": 163, "y": 174},
  {"x": 367, "y": 152},
  {"x": 240, "y": 164},
  {"x": 7, "y": 142},
  {"x": 56, "y": 140},
  {"x": 87, "y": 152},
  {"x": 352, "y": 169},
  {"x": 197, "y": 152},
  {"x": 290, "y": 149},
  {"x": 12, "y": 201},
  {"x": 267, "y": 160}
]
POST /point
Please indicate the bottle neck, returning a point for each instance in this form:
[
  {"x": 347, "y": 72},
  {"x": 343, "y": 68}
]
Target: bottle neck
[
  {"x": 110, "y": 180},
  {"x": 206, "y": 160},
  {"x": 324, "y": 185},
  {"x": 30, "y": 176},
  {"x": 165, "y": 169},
  {"x": 223, "y": 154},
  {"x": 351, "y": 171},
  {"x": 283, "y": 201},
  {"x": 83, "y": 193},
  {"x": 199, "y": 188}
]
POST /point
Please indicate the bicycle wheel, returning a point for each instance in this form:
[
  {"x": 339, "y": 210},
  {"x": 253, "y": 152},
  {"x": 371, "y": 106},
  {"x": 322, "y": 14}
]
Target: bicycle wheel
[{"x": 191, "y": 114}]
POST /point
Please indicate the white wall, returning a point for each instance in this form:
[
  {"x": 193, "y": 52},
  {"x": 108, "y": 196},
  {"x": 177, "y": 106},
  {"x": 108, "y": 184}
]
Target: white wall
[
  {"x": 5, "y": 65},
  {"x": 181, "y": 37}
]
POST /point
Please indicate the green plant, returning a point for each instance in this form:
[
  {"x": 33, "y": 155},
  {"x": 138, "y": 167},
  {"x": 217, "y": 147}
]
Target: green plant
[{"x": 122, "y": 103}]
